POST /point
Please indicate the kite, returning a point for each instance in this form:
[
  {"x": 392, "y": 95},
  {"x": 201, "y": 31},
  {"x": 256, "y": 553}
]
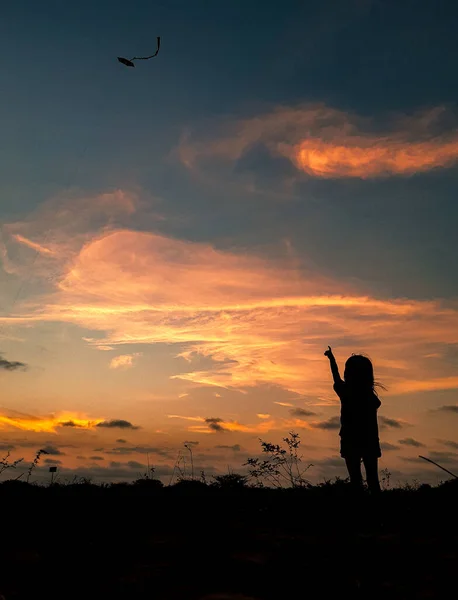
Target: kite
[{"x": 130, "y": 62}]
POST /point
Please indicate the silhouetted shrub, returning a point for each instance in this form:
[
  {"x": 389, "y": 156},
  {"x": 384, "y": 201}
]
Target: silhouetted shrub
[
  {"x": 189, "y": 486},
  {"x": 148, "y": 484},
  {"x": 230, "y": 481}
]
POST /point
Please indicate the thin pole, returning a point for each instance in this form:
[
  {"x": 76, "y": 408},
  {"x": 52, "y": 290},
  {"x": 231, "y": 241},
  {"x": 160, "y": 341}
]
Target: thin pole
[{"x": 435, "y": 463}]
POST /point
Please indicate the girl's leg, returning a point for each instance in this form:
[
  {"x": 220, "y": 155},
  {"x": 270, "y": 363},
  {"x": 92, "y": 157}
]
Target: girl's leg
[
  {"x": 371, "y": 466},
  {"x": 354, "y": 470}
]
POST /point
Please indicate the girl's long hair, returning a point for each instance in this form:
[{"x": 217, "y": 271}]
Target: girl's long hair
[{"x": 359, "y": 374}]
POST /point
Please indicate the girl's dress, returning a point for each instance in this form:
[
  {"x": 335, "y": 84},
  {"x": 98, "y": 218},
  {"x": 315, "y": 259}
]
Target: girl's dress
[{"x": 359, "y": 436}]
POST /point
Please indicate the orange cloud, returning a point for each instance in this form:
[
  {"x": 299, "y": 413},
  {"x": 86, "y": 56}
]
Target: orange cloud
[
  {"x": 256, "y": 321},
  {"x": 234, "y": 426},
  {"x": 371, "y": 157},
  {"x": 328, "y": 143}
]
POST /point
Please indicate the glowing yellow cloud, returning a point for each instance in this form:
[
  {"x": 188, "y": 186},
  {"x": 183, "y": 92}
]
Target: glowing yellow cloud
[{"x": 13, "y": 420}]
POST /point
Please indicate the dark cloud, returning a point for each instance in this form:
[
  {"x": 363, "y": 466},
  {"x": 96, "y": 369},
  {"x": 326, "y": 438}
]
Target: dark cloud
[
  {"x": 116, "y": 471},
  {"x": 214, "y": 423},
  {"x": 387, "y": 422},
  {"x": 69, "y": 424},
  {"x": 99, "y": 449},
  {"x": 96, "y": 458},
  {"x": 117, "y": 424},
  {"x": 332, "y": 423},
  {"x": 411, "y": 442},
  {"x": 52, "y": 461},
  {"x": 166, "y": 452},
  {"x": 190, "y": 443},
  {"x": 234, "y": 447},
  {"x": 81, "y": 457},
  {"x": 133, "y": 464},
  {"x": 6, "y": 447},
  {"x": 412, "y": 459},
  {"x": 8, "y": 365},
  {"x": 301, "y": 412},
  {"x": 386, "y": 446},
  {"x": 453, "y": 408},
  {"x": 267, "y": 169},
  {"x": 53, "y": 450},
  {"x": 450, "y": 444},
  {"x": 444, "y": 457},
  {"x": 121, "y": 441}
]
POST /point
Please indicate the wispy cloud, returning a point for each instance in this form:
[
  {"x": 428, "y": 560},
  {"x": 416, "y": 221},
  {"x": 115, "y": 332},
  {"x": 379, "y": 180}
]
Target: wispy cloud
[
  {"x": 33, "y": 245},
  {"x": 411, "y": 442},
  {"x": 325, "y": 142},
  {"x": 123, "y": 361},
  {"x": 255, "y": 320}
]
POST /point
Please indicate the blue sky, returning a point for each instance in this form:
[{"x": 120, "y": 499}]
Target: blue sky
[{"x": 202, "y": 147}]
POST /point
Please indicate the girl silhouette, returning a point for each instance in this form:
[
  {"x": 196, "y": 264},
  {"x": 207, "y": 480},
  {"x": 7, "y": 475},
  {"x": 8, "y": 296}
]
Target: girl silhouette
[{"x": 359, "y": 437}]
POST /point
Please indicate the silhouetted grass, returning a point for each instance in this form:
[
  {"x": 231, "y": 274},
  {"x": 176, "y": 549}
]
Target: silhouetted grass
[
  {"x": 193, "y": 539},
  {"x": 227, "y": 537}
]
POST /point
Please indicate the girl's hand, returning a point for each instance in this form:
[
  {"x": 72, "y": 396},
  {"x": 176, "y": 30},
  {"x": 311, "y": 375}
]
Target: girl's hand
[{"x": 328, "y": 352}]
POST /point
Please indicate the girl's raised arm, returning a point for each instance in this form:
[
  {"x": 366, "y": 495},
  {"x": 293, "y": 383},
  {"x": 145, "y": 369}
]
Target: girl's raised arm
[{"x": 334, "y": 367}]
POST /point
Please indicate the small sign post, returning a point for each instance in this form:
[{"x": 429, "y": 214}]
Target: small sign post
[{"x": 52, "y": 470}]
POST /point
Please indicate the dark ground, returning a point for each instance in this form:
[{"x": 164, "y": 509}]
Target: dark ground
[{"x": 196, "y": 542}]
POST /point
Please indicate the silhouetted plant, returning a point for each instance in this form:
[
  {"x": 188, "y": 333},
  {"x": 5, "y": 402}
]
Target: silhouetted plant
[
  {"x": 5, "y": 463},
  {"x": 281, "y": 467},
  {"x": 189, "y": 448},
  {"x": 411, "y": 486},
  {"x": 385, "y": 479},
  {"x": 179, "y": 468},
  {"x": 147, "y": 480},
  {"x": 35, "y": 462}
]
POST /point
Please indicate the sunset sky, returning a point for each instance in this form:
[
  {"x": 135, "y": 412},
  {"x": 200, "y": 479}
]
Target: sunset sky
[{"x": 181, "y": 241}]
